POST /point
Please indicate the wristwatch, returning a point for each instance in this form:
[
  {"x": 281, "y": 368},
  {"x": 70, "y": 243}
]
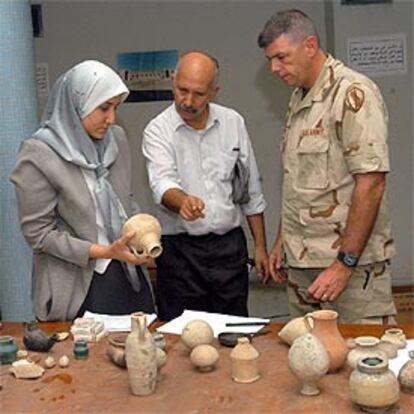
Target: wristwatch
[{"x": 348, "y": 259}]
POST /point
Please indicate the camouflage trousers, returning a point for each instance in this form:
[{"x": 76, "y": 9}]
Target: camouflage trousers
[{"x": 367, "y": 298}]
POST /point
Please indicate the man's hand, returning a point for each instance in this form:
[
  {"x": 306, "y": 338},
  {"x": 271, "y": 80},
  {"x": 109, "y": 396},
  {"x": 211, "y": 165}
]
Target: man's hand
[
  {"x": 192, "y": 208},
  {"x": 276, "y": 263},
  {"x": 331, "y": 282}
]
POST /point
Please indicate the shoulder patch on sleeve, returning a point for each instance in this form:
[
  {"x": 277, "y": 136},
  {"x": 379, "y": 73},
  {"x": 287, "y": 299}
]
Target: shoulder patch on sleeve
[{"x": 354, "y": 98}]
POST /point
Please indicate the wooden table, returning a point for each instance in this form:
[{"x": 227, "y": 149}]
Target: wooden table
[{"x": 97, "y": 386}]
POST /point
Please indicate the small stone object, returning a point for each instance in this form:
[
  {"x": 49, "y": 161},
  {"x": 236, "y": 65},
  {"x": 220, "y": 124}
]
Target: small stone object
[
  {"x": 87, "y": 329},
  {"x": 197, "y": 332},
  {"x": 80, "y": 349},
  {"x": 24, "y": 369},
  {"x": 8, "y": 350},
  {"x": 64, "y": 361},
  {"x": 396, "y": 336},
  {"x": 22, "y": 354},
  {"x": 50, "y": 362},
  {"x": 244, "y": 362},
  {"x": 373, "y": 387},
  {"x": 204, "y": 357},
  {"x": 309, "y": 361},
  {"x": 406, "y": 375}
]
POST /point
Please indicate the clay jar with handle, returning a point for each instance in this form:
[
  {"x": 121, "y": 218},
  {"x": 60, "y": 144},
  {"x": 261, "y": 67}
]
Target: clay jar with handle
[
  {"x": 141, "y": 357},
  {"x": 147, "y": 234},
  {"x": 326, "y": 329}
]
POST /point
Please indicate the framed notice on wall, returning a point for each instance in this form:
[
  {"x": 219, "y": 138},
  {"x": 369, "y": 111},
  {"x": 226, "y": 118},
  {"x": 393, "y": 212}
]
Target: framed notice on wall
[
  {"x": 148, "y": 75},
  {"x": 379, "y": 55}
]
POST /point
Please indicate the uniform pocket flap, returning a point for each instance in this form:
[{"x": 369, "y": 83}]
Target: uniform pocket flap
[{"x": 310, "y": 145}]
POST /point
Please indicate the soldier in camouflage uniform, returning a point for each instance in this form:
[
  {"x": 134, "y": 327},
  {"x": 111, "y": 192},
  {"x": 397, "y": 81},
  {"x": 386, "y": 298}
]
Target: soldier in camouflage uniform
[{"x": 335, "y": 234}]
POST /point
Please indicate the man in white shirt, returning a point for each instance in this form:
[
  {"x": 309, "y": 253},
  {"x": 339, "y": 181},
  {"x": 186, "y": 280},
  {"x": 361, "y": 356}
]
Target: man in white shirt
[{"x": 191, "y": 150}]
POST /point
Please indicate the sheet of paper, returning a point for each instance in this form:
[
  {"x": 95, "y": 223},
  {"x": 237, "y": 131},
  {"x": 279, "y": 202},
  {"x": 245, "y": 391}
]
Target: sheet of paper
[
  {"x": 117, "y": 323},
  {"x": 216, "y": 320},
  {"x": 395, "y": 364}
]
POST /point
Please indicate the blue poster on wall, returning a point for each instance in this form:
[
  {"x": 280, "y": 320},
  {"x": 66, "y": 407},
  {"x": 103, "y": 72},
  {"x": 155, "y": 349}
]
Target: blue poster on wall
[{"x": 148, "y": 75}]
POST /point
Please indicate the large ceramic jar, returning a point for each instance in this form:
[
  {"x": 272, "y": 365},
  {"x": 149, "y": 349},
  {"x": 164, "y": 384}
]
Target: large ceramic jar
[
  {"x": 396, "y": 336},
  {"x": 140, "y": 356},
  {"x": 365, "y": 346},
  {"x": 309, "y": 361},
  {"x": 406, "y": 375},
  {"x": 244, "y": 362},
  {"x": 326, "y": 329},
  {"x": 147, "y": 234},
  {"x": 373, "y": 386},
  {"x": 8, "y": 350}
]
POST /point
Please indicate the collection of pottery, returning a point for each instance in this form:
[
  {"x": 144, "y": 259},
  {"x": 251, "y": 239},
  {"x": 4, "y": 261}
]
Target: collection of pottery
[
  {"x": 141, "y": 357},
  {"x": 309, "y": 361},
  {"x": 147, "y": 235},
  {"x": 373, "y": 386}
]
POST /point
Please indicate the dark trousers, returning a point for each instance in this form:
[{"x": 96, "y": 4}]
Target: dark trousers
[
  {"x": 205, "y": 273},
  {"x": 112, "y": 294}
]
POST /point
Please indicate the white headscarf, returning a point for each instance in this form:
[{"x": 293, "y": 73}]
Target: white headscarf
[{"x": 76, "y": 94}]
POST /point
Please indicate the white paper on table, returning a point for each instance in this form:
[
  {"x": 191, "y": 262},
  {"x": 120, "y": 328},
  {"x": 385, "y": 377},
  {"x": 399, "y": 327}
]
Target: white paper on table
[
  {"x": 117, "y": 323},
  {"x": 216, "y": 320},
  {"x": 396, "y": 364}
]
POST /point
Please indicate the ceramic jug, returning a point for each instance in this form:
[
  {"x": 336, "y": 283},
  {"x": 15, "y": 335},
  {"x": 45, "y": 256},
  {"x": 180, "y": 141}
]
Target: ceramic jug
[
  {"x": 294, "y": 328},
  {"x": 309, "y": 361},
  {"x": 147, "y": 234},
  {"x": 245, "y": 362},
  {"x": 373, "y": 387},
  {"x": 140, "y": 356},
  {"x": 326, "y": 329}
]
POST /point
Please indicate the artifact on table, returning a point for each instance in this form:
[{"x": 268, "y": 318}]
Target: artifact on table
[
  {"x": 406, "y": 375},
  {"x": 147, "y": 235},
  {"x": 197, "y": 332},
  {"x": 116, "y": 349},
  {"x": 22, "y": 354},
  {"x": 141, "y": 359},
  {"x": 244, "y": 362},
  {"x": 24, "y": 369},
  {"x": 309, "y": 361},
  {"x": 35, "y": 339},
  {"x": 8, "y": 350},
  {"x": 326, "y": 329},
  {"x": 87, "y": 329},
  {"x": 64, "y": 361},
  {"x": 50, "y": 362},
  {"x": 204, "y": 357},
  {"x": 80, "y": 349},
  {"x": 365, "y": 346},
  {"x": 373, "y": 387},
  {"x": 396, "y": 336},
  {"x": 389, "y": 348},
  {"x": 295, "y": 328},
  {"x": 61, "y": 336}
]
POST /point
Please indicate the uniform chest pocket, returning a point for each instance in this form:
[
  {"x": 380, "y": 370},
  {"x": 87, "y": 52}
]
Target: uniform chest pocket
[
  {"x": 313, "y": 163},
  {"x": 227, "y": 163}
]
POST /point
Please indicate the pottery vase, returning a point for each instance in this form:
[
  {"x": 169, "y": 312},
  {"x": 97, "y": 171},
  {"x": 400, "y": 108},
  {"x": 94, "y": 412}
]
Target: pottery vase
[
  {"x": 365, "y": 346},
  {"x": 147, "y": 235},
  {"x": 373, "y": 387},
  {"x": 309, "y": 361},
  {"x": 140, "y": 356},
  {"x": 8, "y": 350},
  {"x": 396, "y": 336},
  {"x": 295, "y": 328},
  {"x": 244, "y": 362},
  {"x": 406, "y": 375},
  {"x": 326, "y": 329}
]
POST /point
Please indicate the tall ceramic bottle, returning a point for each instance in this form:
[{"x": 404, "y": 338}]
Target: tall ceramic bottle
[
  {"x": 140, "y": 355},
  {"x": 326, "y": 329}
]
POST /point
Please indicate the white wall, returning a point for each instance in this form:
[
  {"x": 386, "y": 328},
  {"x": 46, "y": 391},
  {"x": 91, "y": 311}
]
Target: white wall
[{"x": 77, "y": 30}]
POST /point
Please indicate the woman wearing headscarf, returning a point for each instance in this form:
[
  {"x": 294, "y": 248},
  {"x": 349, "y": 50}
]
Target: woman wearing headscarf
[{"x": 72, "y": 180}]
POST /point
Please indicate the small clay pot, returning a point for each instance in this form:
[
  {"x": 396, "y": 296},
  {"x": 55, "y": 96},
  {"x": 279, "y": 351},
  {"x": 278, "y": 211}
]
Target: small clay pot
[
  {"x": 365, "y": 346},
  {"x": 204, "y": 357},
  {"x": 396, "y": 336},
  {"x": 406, "y": 375},
  {"x": 8, "y": 350},
  {"x": 245, "y": 362},
  {"x": 389, "y": 348}
]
